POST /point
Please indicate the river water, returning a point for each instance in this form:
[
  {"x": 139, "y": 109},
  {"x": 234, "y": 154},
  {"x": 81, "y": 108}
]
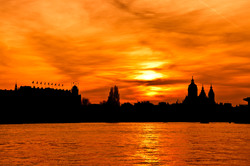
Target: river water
[{"x": 125, "y": 144}]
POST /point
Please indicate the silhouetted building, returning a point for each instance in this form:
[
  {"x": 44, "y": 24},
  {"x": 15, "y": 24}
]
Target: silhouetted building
[
  {"x": 248, "y": 100},
  {"x": 192, "y": 90},
  {"x": 192, "y": 97},
  {"x": 40, "y": 98},
  {"x": 203, "y": 97},
  {"x": 211, "y": 95},
  {"x": 28, "y": 104}
]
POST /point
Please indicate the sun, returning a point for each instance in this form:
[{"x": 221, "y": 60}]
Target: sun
[{"x": 148, "y": 75}]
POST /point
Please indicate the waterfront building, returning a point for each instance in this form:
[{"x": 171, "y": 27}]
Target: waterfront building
[
  {"x": 248, "y": 100},
  {"x": 193, "y": 98},
  {"x": 33, "y": 98}
]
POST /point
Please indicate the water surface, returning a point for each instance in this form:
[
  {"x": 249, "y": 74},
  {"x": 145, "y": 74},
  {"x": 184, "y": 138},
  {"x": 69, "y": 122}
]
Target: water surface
[{"x": 125, "y": 144}]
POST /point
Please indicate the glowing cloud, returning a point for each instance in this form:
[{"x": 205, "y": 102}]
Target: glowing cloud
[
  {"x": 134, "y": 44},
  {"x": 148, "y": 75}
]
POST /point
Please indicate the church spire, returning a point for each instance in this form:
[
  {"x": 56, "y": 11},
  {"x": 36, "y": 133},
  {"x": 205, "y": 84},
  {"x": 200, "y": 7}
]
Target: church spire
[
  {"x": 203, "y": 93},
  {"x": 211, "y": 95},
  {"x": 192, "y": 89}
]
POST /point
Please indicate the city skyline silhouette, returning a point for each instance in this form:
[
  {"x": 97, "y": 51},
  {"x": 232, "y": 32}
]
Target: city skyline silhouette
[
  {"x": 199, "y": 90},
  {"x": 47, "y": 88},
  {"x": 31, "y": 104},
  {"x": 124, "y": 82}
]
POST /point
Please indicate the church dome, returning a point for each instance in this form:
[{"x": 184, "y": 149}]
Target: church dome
[
  {"x": 75, "y": 90},
  {"x": 192, "y": 89}
]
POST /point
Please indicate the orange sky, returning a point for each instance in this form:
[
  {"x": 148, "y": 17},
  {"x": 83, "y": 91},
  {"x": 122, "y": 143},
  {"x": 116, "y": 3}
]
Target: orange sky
[{"x": 150, "y": 49}]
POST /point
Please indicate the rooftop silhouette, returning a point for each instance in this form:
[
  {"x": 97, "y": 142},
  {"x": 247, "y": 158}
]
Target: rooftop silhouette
[
  {"x": 26, "y": 104},
  {"x": 193, "y": 98}
]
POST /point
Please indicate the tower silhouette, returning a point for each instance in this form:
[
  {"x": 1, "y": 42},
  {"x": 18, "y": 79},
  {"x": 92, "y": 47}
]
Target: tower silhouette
[
  {"x": 75, "y": 90},
  {"x": 192, "y": 90},
  {"x": 193, "y": 98},
  {"x": 203, "y": 97},
  {"x": 211, "y": 95},
  {"x": 203, "y": 93}
]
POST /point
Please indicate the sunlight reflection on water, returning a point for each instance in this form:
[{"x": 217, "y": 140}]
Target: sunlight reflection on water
[{"x": 125, "y": 144}]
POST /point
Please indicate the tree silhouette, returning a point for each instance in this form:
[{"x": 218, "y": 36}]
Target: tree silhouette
[
  {"x": 114, "y": 97},
  {"x": 111, "y": 96},
  {"x": 85, "y": 102}
]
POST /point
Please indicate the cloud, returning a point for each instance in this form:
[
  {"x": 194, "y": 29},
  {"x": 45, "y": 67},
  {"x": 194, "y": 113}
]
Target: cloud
[
  {"x": 105, "y": 42},
  {"x": 157, "y": 82}
]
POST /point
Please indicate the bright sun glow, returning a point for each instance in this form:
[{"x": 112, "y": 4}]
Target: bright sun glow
[
  {"x": 148, "y": 65},
  {"x": 148, "y": 75},
  {"x": 153, "y": 90}
]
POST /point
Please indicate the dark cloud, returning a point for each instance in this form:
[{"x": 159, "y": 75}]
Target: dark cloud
[
  {"x": 68, "y": 57},
  {"x": 157, "y": 82}
]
